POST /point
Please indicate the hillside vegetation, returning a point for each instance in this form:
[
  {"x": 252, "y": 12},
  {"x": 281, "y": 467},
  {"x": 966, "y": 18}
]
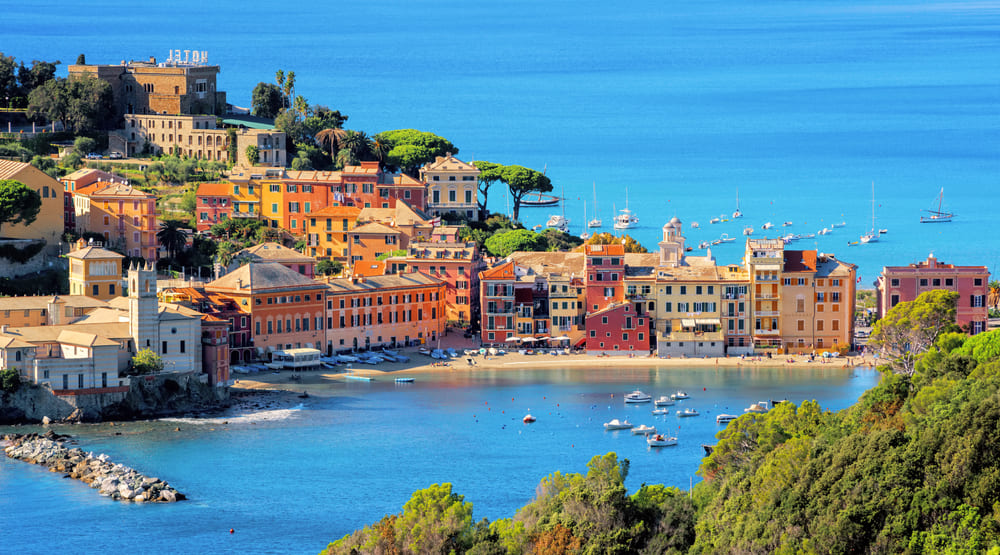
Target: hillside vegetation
[{"x": 911, "y": 468}]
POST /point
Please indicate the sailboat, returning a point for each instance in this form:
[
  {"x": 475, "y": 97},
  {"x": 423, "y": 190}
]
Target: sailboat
[
  {"x": 936, "y": 216},
  {"x": 585, "y": 235},
  {"x": 626, "y": 219},
  {"x": 596, "y": 222},
  {"x": 558, "y": 221},
  {"x": 872, "y": 235},
  {"x": 737, "y": 214}
]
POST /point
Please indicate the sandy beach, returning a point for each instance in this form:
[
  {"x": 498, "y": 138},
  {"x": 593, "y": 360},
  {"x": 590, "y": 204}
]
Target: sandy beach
[{"x": 314, "y": 381}]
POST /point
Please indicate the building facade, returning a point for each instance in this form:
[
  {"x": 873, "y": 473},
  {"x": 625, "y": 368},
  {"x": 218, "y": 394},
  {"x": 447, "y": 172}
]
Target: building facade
[
  {"x": 50, "y": 221},
  {"x": 213, "y": 204},
  {"x": 95, "y": 272},
  {"x": 898, "y": 284},
  {"x": 124, "y": 215},
  {"x": 452, "y": 187}
]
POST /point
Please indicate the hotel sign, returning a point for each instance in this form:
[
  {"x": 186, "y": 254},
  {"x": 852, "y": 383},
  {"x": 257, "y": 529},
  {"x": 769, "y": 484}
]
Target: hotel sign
[{"x": 190, "y": 57}]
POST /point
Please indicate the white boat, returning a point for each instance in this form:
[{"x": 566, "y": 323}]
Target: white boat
[
  {"x": 616, "y": 424},
  {"x": 786, "y": 224},
  {"x": 625, "y": 218},
  {"x": 558, "y": 222},
  {"x": 680, "y": 395},
  {"x": 703, "y": 245},
  {"x": 841, "y": 224},
  {"x": 883, "y": 231},
  {"x": 715, "y": 220},
  {"x": 663, "y": 401},
  {"x": 725, "y": 238},
  {"x": 758, "y": 407},
  {"x": 528, "y": 419},
  {"x": 807, "y": 236},
  {"x": 584, "y": 235},
  {"x": 939, "y": 215},
  {"x": 872, "y": 235},
  {"x": 638, "y": 397},
  {"x": 643, "y": 430},
  {"x": 737, "y": 214},
  {"x": 725, "y": 418},
  {"x": 695, "y": 225},
  {"x": 767, "y": 225},
  {"x": 748, "y": 230},
  {"x": 825, "y": 231},
  {"x": 716, "y": 241},
  {"x": 661, "y": 411},
  {"x": 404, "y": 380},
  {"x": 596, "y": 222},
  {"x": 687, "y": 412},
  {"x": 660, "y": 440}
]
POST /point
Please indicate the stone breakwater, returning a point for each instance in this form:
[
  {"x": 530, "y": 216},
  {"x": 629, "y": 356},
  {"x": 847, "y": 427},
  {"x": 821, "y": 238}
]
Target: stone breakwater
[{"x": 118, "y": 482}]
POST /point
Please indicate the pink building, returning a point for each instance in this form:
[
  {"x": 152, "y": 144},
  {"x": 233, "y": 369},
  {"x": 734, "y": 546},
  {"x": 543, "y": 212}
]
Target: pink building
[
  {"x": 605, "y": 268},
  {"x": 899, "y": 284},
  {"x": 214, "y": 204},
  {"x": 616, "y": 330}
]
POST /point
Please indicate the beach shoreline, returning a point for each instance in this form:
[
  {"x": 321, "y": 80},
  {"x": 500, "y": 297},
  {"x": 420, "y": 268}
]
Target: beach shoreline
[{"x": 315, "y": 381}]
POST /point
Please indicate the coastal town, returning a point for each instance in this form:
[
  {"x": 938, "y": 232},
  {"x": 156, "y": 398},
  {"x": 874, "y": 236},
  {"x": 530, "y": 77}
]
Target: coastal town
[{"x": 371, "y": 259}]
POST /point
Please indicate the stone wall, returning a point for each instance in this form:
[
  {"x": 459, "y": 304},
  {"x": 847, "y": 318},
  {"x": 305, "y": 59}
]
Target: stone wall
[{"x": 40, "y": 262}]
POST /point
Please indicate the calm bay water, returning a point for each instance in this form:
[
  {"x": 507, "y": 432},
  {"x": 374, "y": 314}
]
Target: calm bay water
[
  {"x": 292, "y": 480},
  {"x": 799, "y": 105}
]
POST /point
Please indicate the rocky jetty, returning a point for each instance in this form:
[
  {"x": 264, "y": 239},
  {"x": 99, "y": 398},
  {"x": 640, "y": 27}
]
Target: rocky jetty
[{"x": 118, "y": 482}]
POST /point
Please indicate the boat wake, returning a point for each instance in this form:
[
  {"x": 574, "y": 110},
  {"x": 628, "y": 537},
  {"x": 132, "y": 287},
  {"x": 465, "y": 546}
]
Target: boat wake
[{"x": 272, "y": 415}]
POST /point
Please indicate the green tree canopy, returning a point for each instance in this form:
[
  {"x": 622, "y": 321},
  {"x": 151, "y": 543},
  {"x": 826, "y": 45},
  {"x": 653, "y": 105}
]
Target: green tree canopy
[
  {"x": 502, "y": 244},
  {"x": 147, "y": 361},
  {"x": 84, "y": 145},
  {"x": 18, "y": 203},
  {"x": 909, "y": 328},
  {"x": 329, "y": 267},
  {"x": 489, "y": 173},
  {"x": 80, "y": 103},
  {"x": 267, "y": 100},
  {"x": 630, "y": 244},
  {"x": 36, "y": 75},
  {"x": 172, "y": 236},
  {"x": 253, "y": 155},
  {"x": 411, "y": 149}
]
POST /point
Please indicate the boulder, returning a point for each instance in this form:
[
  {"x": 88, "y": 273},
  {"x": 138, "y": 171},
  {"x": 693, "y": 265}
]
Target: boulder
[{"x": 168, "y": 496}]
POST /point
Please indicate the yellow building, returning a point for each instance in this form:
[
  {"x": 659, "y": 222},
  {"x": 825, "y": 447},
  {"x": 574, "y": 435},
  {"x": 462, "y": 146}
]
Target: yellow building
[
  {"x": 95, "y": 272},
  {"x": 452, "y": 187},
  {"x": 817, "y": 308},
  {"x": 196, "y": 137},
  {"x": 327, "y": 232},
  {"x": 49, "y": 223},
  {"x": 764, "y": 260}
]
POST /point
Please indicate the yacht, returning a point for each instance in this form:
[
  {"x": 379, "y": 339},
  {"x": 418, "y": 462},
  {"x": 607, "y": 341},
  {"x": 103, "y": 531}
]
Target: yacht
[
  {"x": 767, "y": 225},
  {"x": 725, "y": 418},
  {"x": 558, "y": 222},
  {"x": 748, "y": 230},
  {"x": 737, "y": 214},
  {"x": 638, "y": 397},
  {"x": 616, "y": 424},
  {"x": 660, "y": 440},
  {"x": 643, "y": 430},
  {"x": 625, "y": 218},
  {"x": 687, "y": 412},
  {"x": 872, "y": 235},
  {"x": 664, "y": 401},
  {"x": 596, "y": 222}
]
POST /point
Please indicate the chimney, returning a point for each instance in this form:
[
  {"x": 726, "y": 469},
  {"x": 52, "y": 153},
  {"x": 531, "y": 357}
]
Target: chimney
[
  {"x": 239, "y": 284},
  {"x": 3, "y": 328}
]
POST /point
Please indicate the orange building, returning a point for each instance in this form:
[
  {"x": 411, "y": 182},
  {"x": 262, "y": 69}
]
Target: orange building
[
  {"x": 327, "y": 231},
  {"x": 457, "y": 264},
  {"x": 78, "y": 180},
  {"x": 286, "y": 308},
  {"x": 95, "y": 271},
  {"x": 392, "y": 310},
  {"x": 125, "y": 216},
  {"x": 369, "y": 241}
]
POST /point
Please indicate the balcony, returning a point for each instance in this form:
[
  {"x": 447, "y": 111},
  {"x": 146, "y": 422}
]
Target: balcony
[
  {"x": 768, "y": 296},
  {"x": 693, "y": 336},
  {"x": 768, "y": 333},
  {"x": 766, "y": 313}
]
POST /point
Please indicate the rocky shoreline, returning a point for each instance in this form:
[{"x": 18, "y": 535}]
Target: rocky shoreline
[{"x": 116, "y": 481}]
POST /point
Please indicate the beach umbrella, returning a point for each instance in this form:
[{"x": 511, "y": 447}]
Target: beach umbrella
[
  {"x": 512, "y": 339},
  {"x": 560, "y": 338}
]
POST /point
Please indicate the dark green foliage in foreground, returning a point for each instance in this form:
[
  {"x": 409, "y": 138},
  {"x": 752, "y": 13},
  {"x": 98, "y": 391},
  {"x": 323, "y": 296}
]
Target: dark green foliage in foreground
[{"x": 911, "y": 468}]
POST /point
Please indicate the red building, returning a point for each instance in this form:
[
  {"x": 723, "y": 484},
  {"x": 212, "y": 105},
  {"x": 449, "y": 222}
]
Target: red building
[
  {"x": 224, "y": 308},
  {"x": 617, "y": 329},
  {"x": 215, "y": 349},
  {"x": 213, "y": 204},
  {"x": 899, "y": 284},
  {"x": 605, "y": 269},
  {"x": 456, "y": 263},
  {"x": 497, "y": 286}
]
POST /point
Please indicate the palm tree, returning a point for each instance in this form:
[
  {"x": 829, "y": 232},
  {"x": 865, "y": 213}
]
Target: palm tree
[
  {"x": 172, "y": 236},
  {"x": 379, "y": 147},
  {"x": 358, "y": 143},
  {"x": 994, "y": 296},
  {"x": 330, "y": 139}
]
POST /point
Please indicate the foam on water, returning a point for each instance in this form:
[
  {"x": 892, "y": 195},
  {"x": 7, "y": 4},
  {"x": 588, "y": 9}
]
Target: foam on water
[{"x": 244, "y": 418}]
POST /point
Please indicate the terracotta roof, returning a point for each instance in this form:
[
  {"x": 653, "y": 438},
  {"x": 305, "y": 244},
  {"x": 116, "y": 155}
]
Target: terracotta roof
[
  {"x": 10, "y": 168},
  {"x": 83, "y": 338},
  {"x": 375, "y": 228},
  {"x": 48, "y": 334},
  {"x": 274, "y": 252},
  {"x": 338, "y": 211},
  {"x": 401, "y": 180},
  {"x": 94, "y": 253},
  {"x": 313, "y": 176},
  {"x": 800, "y": 261},
  {"x": 605, "y": 250},
  {"x": 114, "y": 190},
  {"x": 391, "y": 281},
  {"x": 39, "y": 302},
  {"x": 365, "y": 168},
  {"x": 449, "y": 162},
  {"x": 215, "y": 190},
  {"x": 402, "y": 214},
  {"x": 503, "y": 271},
  {"x": 367, "y": 269},
  {"x": 83, "y": 173},
  {"x": 8, "y": 342},
  {"x": 259, "y": 277}
]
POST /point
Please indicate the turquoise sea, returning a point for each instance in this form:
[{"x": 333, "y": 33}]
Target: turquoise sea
[
  {"x": 289, "y": 480},
  {"x": 801, "y": 106}
]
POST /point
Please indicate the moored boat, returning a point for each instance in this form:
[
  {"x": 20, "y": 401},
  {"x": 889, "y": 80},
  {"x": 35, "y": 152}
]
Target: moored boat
[
  {"x": 528, "y": 419},
  {"x": 687, "y": 412},
  {"x": 725, "y": 418},
  {"x": 643, "y": 430},
  {"x": 939, "y": 215},
  {"x": 758, "y": 407},
  {"x": 680, "y": 395},
  {"x": 664, "y": 401},
  {"x": 540, "y": 199},
  {"x": 616, "y": 424},
  {"x": 660, "y": 440},
  {"x": 661, "y": 411},
  {"x": 638, "y": 397}
]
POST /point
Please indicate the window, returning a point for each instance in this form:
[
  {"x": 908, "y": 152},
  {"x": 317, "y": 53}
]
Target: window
[
  {"x": 788, "y": 281},
  {"x": 164, "y": 349},
  {"x": 666, "y": 307},
  {"x": 923, "y": 282},
  {"x": 697, "y": 290},
  {"x": 182, "y": 346},
  {"x": 894, "y": 282},
  {"x": 684, "y": 289},
  {"x": 893, "y": 300},
  {"x": 978, "y": 282},
  {"x": 819, "y": 325},
  {"x": 948, "y": 282},
  {"x": 111, "y": 288}
]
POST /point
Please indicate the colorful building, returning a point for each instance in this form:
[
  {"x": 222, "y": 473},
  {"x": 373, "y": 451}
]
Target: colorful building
[
  {"x": 617, "y": 329},
  {"x": 196, "y": 136},
  {"x": 221, "y": 307},
  {"x": 95, "y": 272},
  {"x": 213, "y": 204},
  {"x": 452, "y": 187},
  {"x": 457, "y": 264},
  {"x": 898, "y": 284},
  {"x": 327, "y": 232},
  {"x": 286, "y": 308},
  {"x": 78, "y": 180},
  {"x": 274, "y": 252},
  {"x": 49, "y": 223},
  {"x": 124, "y": 215},
  {"x": 391, "y": 310}
]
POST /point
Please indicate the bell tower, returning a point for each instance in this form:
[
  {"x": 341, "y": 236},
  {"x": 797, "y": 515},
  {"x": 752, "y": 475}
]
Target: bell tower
[
  {"x": 672, "y": 245},
  {"x": 143, "y": 316}
]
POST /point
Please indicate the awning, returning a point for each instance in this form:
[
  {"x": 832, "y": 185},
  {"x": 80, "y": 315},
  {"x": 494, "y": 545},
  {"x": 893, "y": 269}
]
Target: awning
[
  {"x": 560, "y": 338},
  {"x": 512, "y": 339},
  {"x": 688, "y": 322},
  {"x": 708, "y": 322}
]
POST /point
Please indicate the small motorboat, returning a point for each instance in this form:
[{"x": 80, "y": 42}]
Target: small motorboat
[
  {"x": 786, "y": 224},
  {"x": 715, "y": 220},
  {"x": 703, "y": 245},
  {"x": 748, "y": 230},
  {"x": 807, "y": 236},
  {"x": 767, "y": 225},
  {"x": 359, "y": 378},
  {"x": 664, "y": 401},
  {"x": 638, "y": 397},
  {"x": 616, "y": 424},
  {"x": 661, "y": 411},
  {"x": 528, "y": 419},
  {"x": 841, "y": 224},
  {"x": 687, "y": 412},
  {"x": 680, "y": 395},
  {"x": 883, "y": 231},
  {"x": 716, "y": 241},
  {"x": 424, "y": 351},
  {"x": 725, "y": 418},
  {"x": 660, "y": 440},
  {"x": 758, "y": 407},
  {"x": 643, "y": 430},
  {"x": 725, "y": 238},
  {"x": 695, "y": 225},
  {"x": 825, "y": 231},
  {"x": 404, "y": 380}
]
